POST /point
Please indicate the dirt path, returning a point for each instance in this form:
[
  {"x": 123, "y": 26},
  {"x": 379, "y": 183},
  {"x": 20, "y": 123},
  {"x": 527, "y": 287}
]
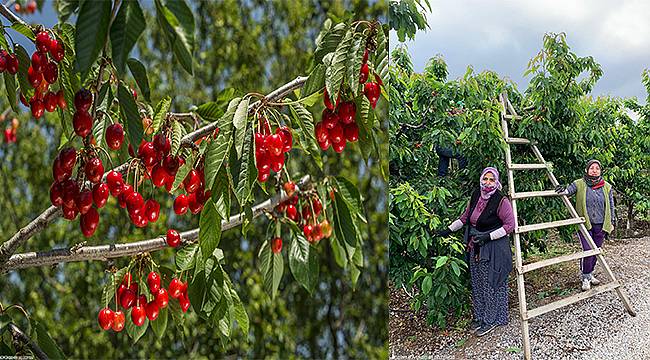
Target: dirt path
[{"x": 596, "y": 328}]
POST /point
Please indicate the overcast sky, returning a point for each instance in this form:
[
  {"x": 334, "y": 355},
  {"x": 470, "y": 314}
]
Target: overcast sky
[{"x": 504, "y": 35}]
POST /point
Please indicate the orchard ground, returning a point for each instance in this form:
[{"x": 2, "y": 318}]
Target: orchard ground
[{"x": 596, "y": 328}]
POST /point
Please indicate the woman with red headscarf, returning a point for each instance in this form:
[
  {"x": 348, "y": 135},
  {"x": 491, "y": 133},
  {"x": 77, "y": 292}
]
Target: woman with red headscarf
[{"x": 488, "y": 220}]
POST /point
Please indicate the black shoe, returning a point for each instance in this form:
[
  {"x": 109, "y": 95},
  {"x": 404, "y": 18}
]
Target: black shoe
[
  {"x": 485, "y": 329},
  {"x": 475, "y": 325}
]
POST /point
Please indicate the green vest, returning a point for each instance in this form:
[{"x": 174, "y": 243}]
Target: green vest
[{"x": 581, "y": 205}]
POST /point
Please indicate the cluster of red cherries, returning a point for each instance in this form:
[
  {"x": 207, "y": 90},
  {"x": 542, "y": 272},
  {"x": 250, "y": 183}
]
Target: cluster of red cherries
[
  {"x": 338, "y": 125},
  {"x": 270, "y": 149},
  {"x": 11, "y": 131},
  {"x": 8, "y": 62},
  {"x": 42, "y": 73},
  {"x": 372, "y": 89},
  {"x": 128, "y": 297},
  {"x": 195, "y": 193},
  {"x": 313, "y": 229},
  {"x": 29, "y": 8}
]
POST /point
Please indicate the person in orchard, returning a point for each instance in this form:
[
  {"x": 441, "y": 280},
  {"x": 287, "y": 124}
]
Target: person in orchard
[
  {"x": 595, "y": 203},
  {"x": 488, "y": 221}
]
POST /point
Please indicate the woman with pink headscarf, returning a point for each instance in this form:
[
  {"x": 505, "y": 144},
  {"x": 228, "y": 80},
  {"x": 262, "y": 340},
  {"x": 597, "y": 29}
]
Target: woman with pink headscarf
[{"x": 488, "y": 220}]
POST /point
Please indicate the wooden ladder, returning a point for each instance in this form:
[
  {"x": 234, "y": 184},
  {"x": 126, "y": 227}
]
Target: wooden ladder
[{"x": 509, "y": 113}]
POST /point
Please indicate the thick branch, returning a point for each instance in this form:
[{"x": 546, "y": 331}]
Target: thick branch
[
  {"x": 52, "y": 213},
  {"x": 19, "y": 335},
  {"x": 4, "y": 11},
  {"x": 104, "y": 252}
]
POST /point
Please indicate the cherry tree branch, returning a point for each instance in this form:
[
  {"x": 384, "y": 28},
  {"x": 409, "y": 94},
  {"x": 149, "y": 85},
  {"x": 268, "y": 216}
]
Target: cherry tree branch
[
  {"x": 19, "y": 335},
  {"x": 104, "y": 252},
  {"x": 9, "y": 247},
  {"x": 9, "y": 15}
]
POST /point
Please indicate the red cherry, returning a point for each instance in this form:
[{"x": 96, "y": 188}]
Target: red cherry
[
  {"x": 307, "y": 230},
  {"x": 134, "y": 202},
  {"x": 82, "y": 123},
  {"x": 184, "y": 301},
  {"x": 83, "y": 99},
  {"x": 115, "y": 182},
  {"x": 317, "y": 205},
  {"x": 160, "y": 143},
  {"x": 316, "y": 234},
  {"x": 142, "y": 300},
  {"x": 321, "y": 132},
  {"x": 324, "y": 145},
  {"x": 56, "y": 196},
  {"x": 61, "y": 100},
  {"x": 263, "y": 176},
  {"x": 173, "y": 238},
  {"x": 147, "y": 153},
  {"x": 347, "y": 112},
  {"x": 152, "y": 210},
  {"x": 276, "y": 245},
  {"x": 3, "y": 61},
  {"x": 70, "y": 191},
  {"x": 118, "y": 321},
  {"x": 327, "y": 101},
  {"x": 43, "y": 41},
  {"x": 127, "y": 299},
  {"x": 287, "y": 138},
  {"x": 351, "y": 132},
  {"x": 180, "y": 204},
  {"x": 263, "y": 162},
  {"x": 162, "y": 298},
  {"x": 194, "y": 204},
  {"x": 89, "y": 222},
  {"x": 50, "y": 101},
  {"x": 127, "y": 190},
  {"x": 326, "y": 228},
  {"x": 158, "y": 176},
  {"x": 292, "y": 213},
  {"x": 34, "y": 77},
  {"x": 329, "y": 119},
  {"x": 37, "y": 107},
  {"x": 12, "y": 64},
  {"x": 50, "y": 72},
  {"x": 372, "y": 92},
  {"x": 170, "y": 163},
  {"x": 68, "y": 156},
  {"x": 153, "y": 281},
  {"x": 106, "y": 317},
  {"x": 365, "y": 56},
  {"x": 192, "y": 181},
  {"x": 336, "y": 134},
  {"x": 114, "y": 136},
  {"x": 138, "y": 315},
  {"x": 274, "y": 144},
  {"x": 69, "y": 213},
  {"x": 289, "y": 187},
  {"x": 175, "y": 288},
  {"x": 378, "y": 80},
  {"x": 339, "y": 146},
  {"x": 39, "y": 61},
  {"x": 363, "y": 76},
  {"x": 56, "y": 50},
  {"x": 84, "y": 201},
  {"x": 94, "y": 170},
  {"x": 100, "y": 194},
  {"x": 152, "y": 310},
  {"x": 277, "y": 162}
]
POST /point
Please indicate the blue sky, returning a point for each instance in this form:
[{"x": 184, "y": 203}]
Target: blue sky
[{"x": 504, "y": 35}]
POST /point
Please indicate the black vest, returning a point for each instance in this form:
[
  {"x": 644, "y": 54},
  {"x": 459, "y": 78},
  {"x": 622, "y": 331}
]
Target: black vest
[{"x": 489, "y": 219}]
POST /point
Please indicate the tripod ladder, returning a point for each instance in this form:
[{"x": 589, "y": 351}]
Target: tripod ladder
[{"x": 509, "y": 113}]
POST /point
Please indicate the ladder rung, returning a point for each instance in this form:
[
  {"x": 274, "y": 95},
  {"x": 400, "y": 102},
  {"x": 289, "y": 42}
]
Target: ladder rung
[
  {"x": 527, "y": 166},
  {"x": 572, "y": 299},
  {"x": 512, "y": 116},
  {"x": 559, "y": 259},
  {"x": 549, "y": 225},
  {"x": 530, "y": 194},
  {"x": 512, "y": 140}
]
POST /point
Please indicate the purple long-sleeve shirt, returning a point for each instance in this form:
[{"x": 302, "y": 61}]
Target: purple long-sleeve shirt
[{"x": 504, "y": 212}]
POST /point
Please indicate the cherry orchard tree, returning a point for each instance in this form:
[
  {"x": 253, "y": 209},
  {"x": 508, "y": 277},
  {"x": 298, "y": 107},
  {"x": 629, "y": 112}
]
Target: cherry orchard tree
[{"x": 212, "y": 158}]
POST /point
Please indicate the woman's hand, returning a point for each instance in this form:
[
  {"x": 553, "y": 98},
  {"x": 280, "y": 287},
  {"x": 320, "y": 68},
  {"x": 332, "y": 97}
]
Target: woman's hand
[
  {"x": 560, "y": 189},
  {"x": 481, "y": 239},
  {"x": 443, "y": 233}
]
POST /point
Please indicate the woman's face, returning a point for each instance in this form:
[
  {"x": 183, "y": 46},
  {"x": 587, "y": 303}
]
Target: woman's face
[
  {"x": 488, "y": 179},
  {"x": 594, "y": 170}
]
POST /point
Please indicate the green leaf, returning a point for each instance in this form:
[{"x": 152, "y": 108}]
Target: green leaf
[
  {"x": 65, "y": 8},
  {"x": 99, "y": 127},
  {"x": 354, "y": 62},
  {"x": 364, "y": 121},
  {"x": 427, "y": 283},
  {"x": 136, "y": 332},
  {"x": 339, "y": 251},
  {"x": 140, "y": 75},
  {"x": 350, "y": 194},
  {"x": 128, "y": 25},
  {"x": 303, "y": 262},
  {"x": 239, "y": 313},
  {"x": 46, "y": 343},
  {"x": 160, "y": 113},
  {"x": 380, "y": 60},
  {"x": 182, "y": 173},
  {"x": 24, "y": 62},
  {"x": 108, "y": 294},
  {"x": 442, "y": 260},
  {"x": 10, "y": 86},
  {"x": 315, "y": 81},
  {"x": 24, "y": 30},
  {"x": 240, "y": 120},
  {"x": 247, "y": 170},
  {"x": 90, "y": 36},
  {"x": 218, "y": 149},
  {"x": 177, "y": 135},
  {"x": 3, "y": 42},
  {"x": 303, "y": 120},
  {"x": 210, "y": 111},
  {"x": 160, "y": 324},
  {"x": 335, "y": 72},
  {"x": 129, "y": 111},
  {"x": 344, "y": 223},
  {"x": 177, "y": 21},
  {"x": 209, "y": 229},
  {"x": 185, "y": 257},
  {"x": 271, "y": 266},
  {"x": 328, "y": 39},
  {"x": 221, "y": 194}
]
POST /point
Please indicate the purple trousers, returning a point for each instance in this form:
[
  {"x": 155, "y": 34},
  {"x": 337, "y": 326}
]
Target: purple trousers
[{"x": 588, "y": 264}]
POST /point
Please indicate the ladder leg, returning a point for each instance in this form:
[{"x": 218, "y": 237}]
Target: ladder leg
[{"x": 521, "y": 291}]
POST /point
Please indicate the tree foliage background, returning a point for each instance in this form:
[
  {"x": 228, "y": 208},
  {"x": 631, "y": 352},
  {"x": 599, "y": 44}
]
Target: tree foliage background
[{"x": 244, "y": 46}]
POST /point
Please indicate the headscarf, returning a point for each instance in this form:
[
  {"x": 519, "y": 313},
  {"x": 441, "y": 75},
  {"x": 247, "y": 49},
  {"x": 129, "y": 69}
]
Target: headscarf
[
  {"x": 488, "y": 190},
  {"x": 594, "y": 182}
]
